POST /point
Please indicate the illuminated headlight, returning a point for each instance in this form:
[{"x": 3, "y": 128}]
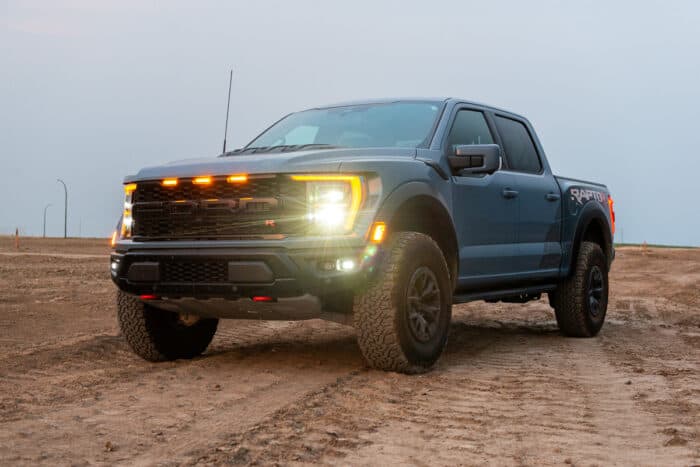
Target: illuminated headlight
[
  {"x": 333, "y": 201},
  {"x": 127, "y": 217}
]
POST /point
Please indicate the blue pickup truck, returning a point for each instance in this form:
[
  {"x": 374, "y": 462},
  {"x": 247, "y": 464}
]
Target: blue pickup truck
[{"x": 376, "y": 214}]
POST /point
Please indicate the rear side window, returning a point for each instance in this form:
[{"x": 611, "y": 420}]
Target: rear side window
[
  {"x": 518, "y": 145},
  {"x": 469, "y": 127}
]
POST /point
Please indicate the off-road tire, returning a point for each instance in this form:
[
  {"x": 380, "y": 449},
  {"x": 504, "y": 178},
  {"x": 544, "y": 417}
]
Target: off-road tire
[
  {"x": 571, "y": 299},
  {"x": 381, "y": 311},
  {"x": 158, "y": 335}
]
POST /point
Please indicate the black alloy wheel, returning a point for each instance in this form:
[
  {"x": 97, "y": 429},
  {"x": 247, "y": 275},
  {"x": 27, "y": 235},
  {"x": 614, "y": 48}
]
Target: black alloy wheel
[{"x": 423, "y": 300}]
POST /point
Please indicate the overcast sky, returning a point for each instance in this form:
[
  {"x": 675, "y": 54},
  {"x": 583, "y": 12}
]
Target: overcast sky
[{"x": 93, "y": 90}]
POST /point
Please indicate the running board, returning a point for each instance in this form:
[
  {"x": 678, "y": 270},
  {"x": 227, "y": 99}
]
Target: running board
[{"x": 521, "y": 292}]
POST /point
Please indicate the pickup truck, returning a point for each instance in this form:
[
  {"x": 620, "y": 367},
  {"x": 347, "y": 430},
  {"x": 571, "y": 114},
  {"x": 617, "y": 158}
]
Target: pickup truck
[{"x": 376, "y": 214}]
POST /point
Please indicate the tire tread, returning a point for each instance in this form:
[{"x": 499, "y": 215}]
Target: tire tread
[
  {"x": 569, "y": 301},
  {"x": 374, "y": 315}
]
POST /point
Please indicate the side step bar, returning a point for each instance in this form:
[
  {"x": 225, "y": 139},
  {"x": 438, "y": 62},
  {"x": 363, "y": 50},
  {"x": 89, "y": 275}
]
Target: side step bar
[{"x": 495, "y": 295}]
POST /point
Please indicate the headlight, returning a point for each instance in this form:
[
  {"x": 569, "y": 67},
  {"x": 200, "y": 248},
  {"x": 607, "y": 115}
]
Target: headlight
[
  {"x": 127, "y": 218},
  {"x": 333, "y": 201}
]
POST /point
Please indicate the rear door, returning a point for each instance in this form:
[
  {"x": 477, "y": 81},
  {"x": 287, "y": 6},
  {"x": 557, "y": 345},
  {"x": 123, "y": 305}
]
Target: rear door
[
  {"x": 539, "y": 210},
  {"x": 485, "y": 214}
]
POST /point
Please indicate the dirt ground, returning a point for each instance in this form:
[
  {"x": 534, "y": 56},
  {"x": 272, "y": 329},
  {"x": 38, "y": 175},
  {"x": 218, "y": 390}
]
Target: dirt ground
[{"x": 508, "y": 391}]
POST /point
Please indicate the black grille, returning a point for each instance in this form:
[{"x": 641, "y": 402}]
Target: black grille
[
  {"x": 269, "y": 205},
  {"x": 195, "y": 272}
]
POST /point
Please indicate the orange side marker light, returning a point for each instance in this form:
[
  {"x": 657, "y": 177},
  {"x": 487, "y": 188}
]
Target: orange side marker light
[{"x": 378, "y": 231}]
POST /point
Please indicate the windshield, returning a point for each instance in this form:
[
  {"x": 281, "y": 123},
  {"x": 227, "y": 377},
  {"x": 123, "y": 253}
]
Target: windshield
[{"x": 396, "y": 124}]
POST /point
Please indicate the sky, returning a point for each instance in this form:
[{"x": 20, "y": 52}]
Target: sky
[{"x": 91, "y": 91}]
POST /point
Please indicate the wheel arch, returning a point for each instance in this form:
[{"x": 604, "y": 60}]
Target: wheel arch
[
  {"x": 415, "y": 207},
  {"x": 593, "y": 226}
]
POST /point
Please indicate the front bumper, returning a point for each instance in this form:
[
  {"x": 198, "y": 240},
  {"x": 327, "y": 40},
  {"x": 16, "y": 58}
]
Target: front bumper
[{"x": 245, "y": 282}]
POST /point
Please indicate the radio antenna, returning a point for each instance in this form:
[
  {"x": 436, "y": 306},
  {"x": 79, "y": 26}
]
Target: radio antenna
[{"x": 228, "y": 105}]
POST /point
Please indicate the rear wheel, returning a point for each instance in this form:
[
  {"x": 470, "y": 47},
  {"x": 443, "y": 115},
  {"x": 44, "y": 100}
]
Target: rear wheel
[
  {"x": 159, "y": 335},
  {"x": 581, "y": 301},
  {"x": 403, "y": 317}
]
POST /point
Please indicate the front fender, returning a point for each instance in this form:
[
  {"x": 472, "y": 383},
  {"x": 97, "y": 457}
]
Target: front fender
[{"x": 407, "y": 191}]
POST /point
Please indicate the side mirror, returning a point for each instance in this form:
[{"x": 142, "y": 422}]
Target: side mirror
[{"x": 475, "y": 159}]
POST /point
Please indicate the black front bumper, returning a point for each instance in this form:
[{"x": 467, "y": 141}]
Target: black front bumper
[{"x": 233, "y": 273}]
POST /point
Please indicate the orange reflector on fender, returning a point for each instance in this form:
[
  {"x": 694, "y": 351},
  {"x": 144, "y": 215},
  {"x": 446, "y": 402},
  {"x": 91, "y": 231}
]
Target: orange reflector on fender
[
  {"x": 377, "y": 233},
  {"x": 113, "y": 240},
  {"x": 611, "y": 209}
]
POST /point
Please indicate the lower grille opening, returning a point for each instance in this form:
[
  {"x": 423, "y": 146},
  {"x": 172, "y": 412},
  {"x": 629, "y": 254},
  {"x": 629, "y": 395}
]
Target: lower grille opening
[{"x": 196, "y": 272}]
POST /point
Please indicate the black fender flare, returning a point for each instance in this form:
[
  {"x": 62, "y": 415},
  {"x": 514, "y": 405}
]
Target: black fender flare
[
  {"x": 591, "y": 212},
  {"x": 406, "y": 192},
  {"x": 424, "y": 192}
]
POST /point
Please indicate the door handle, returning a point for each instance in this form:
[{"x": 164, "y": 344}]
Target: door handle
[
  {"x": 508, "y": 193},
  {"x": 552, "y": 196}
]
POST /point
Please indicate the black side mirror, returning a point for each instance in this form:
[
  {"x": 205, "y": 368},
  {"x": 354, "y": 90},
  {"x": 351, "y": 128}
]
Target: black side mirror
[{"x": 475, "y": 159}]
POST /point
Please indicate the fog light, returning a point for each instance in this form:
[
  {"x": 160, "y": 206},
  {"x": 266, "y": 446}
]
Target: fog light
[{"x": 345, "y": 264}]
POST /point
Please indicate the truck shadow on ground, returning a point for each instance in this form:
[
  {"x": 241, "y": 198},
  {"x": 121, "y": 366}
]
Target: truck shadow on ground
[{"x": 330, "y": 344}]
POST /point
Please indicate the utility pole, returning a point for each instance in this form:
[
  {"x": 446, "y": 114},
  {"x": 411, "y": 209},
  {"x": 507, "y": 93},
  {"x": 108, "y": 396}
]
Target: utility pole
[
  {"x": 65, "y": 208},
  {"x": 45, "y": 208}
]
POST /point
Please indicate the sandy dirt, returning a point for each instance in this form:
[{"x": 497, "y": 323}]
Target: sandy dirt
[{"x": 508, "y": 391}]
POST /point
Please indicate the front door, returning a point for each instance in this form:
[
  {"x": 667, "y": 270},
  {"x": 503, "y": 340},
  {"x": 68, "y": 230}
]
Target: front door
[{"x": 485, "y": 211}]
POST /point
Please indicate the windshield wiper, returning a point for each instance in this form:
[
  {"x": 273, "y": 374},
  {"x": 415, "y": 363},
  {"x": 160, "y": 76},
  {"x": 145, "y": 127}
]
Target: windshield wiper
[{"x": 279, "y": 148}]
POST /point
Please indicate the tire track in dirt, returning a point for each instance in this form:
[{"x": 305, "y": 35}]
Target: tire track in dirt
[
  {"x": 82, "y": 390},
  {"x": 665, "y": 378},
  {"x": 500, "y": 396}
]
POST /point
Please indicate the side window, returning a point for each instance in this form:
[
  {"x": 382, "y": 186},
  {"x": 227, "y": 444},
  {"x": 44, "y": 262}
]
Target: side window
[
  {"x": 518, "y": 145},
  {"x": 469, "y": 127}
]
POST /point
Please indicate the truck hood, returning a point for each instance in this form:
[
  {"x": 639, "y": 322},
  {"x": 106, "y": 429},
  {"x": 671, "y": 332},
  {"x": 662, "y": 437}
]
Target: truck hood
[{"x": 326, "y": 160}]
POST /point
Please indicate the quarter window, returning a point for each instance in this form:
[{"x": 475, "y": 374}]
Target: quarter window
[
  {"x": 520, "y": 150},
  {"x": 469, "y": 127}
]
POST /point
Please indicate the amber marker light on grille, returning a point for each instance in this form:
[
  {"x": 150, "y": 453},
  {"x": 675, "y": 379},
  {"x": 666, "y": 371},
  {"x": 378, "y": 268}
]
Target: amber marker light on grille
[
  {"x": 170, "y": 182},
  {"x": 129, "y": 188},
  {"x": 202, "y": 181},
  {"x": 239, "y": 178},
  {"x": 377, "y": 233}
]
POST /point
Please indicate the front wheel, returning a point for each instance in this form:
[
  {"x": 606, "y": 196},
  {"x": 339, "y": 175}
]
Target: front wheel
[
  {"x": 158, "y": 335},
  {"x": 581, "y": 301},
  {"x": 403, "y": 317}
]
